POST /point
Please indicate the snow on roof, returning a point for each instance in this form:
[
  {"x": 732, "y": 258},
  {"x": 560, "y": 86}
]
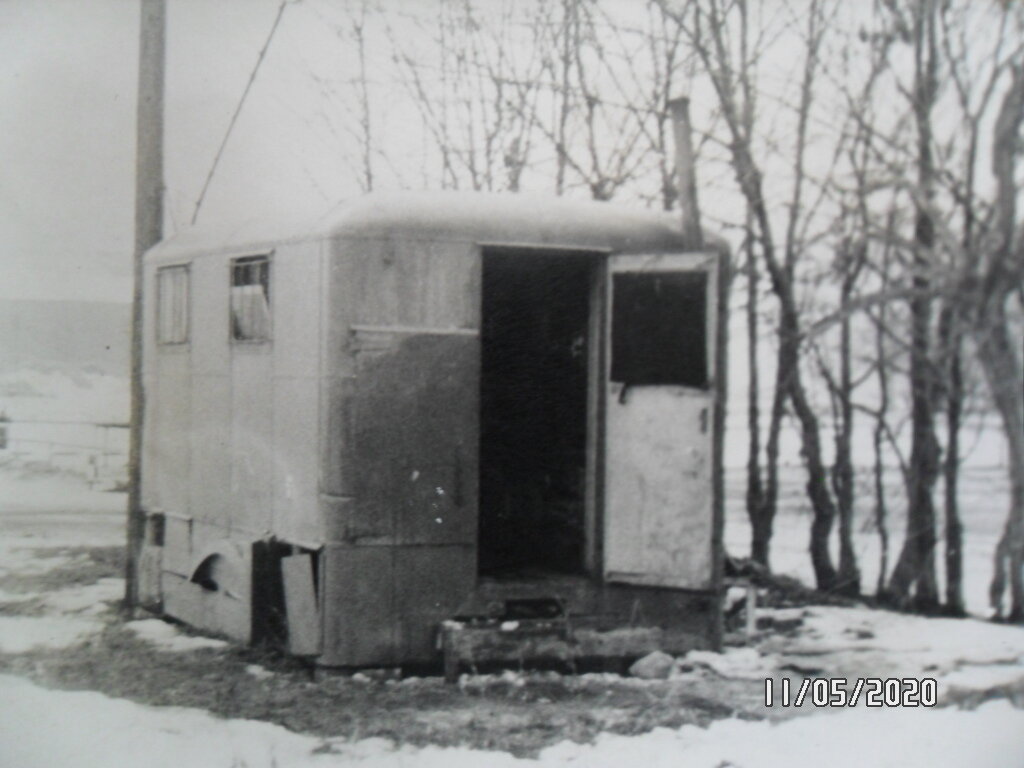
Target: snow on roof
[{"x": 488, "y": 218}]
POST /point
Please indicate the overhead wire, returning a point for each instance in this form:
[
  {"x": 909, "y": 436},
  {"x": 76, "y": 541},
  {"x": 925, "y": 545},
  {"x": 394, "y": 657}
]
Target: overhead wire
[{"x": 238, "y": 109}]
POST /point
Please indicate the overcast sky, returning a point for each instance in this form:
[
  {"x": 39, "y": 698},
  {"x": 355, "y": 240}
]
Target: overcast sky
[
  {"x": 67, "y": 130},
  {"x": 67, "y": 81}
]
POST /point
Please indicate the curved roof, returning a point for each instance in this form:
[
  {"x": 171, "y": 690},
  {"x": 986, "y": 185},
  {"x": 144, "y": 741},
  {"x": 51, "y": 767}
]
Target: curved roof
[{"x": 507, "y": 219}]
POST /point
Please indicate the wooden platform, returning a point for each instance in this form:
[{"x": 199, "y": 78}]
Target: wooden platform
[{"x": 468, "y": 643}]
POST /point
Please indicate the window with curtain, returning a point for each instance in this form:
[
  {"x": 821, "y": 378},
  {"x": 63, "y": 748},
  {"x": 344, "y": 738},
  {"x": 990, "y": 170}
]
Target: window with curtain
[
  {"x": 250, "y": 298},
  {"x": 172, "y": 305}
]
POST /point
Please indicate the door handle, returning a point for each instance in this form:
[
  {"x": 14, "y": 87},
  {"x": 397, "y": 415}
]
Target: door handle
[{"x": 704, "y": 420}]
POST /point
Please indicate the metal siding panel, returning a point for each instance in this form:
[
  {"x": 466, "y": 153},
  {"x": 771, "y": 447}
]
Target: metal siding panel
[
  {"x": 225, "y": 611},
  {"x": 300, "y": 605},
  {"x": 177, "y": 557},
  {"x": 296, "y": 459},
  {"x": 359, "y": 611},
  {"x": 210, "y": 470},
  {"x": 295, "y": 293},
  {"x": 337, "y": 308},
  {"x": 413, "y": 282},
  {"x": 171, "y": 429},
  {"x": 335, "y": 470},
  {"x": 252, "y": 449},
  {"x": 209, "y": 326}
]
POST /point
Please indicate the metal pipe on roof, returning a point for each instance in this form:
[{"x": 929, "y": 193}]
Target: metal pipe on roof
[{"x": 686, "y": 174}]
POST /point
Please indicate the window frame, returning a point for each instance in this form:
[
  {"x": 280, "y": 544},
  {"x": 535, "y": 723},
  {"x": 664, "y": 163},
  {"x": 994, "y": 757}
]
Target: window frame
[
  {"x": 245, "y": 260},
  {"x": 161, "y": 300}
]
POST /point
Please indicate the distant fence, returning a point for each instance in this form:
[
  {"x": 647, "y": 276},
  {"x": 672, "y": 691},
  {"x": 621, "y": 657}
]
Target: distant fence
[{"x": 96, "y": 451}]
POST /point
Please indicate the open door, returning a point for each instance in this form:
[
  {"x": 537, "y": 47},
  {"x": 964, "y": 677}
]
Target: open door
[{"x": 659, "y": 399}]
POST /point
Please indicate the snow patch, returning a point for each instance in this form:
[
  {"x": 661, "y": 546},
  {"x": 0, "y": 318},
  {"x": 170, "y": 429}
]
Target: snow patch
[
  {"x": 925, "y": 643},
  {"x": 259, "y": 672},
  {"x": 25, "y": 562},
  {"x": 91, "y": 599},
  {"x": 981, "y": 678},
  {"x": 167, "y": 637},
  {"x": 742, "y": 663}
]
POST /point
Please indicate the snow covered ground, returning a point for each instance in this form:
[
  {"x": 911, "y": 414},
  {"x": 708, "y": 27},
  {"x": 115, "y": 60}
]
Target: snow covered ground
[{"x": 41, "y": 728}]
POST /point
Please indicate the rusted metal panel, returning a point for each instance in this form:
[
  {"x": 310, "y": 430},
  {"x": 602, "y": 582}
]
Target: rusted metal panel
[
  {"x": 301, "y": 605},
  {"x": 336, "y": 477},
  {"x": 414, "y": 439},
  {"x": 359, "y": 616},
  {"x": 430, "y": 584}
]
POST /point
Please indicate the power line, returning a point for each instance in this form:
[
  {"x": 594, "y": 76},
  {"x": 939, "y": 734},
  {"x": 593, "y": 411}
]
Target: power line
[{"x": 238, "y": 109}]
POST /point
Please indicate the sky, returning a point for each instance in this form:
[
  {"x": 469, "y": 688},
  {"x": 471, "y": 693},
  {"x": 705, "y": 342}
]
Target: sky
[
  {"x": 67, "y": 103},
  {"x": 68, "y": 79}
]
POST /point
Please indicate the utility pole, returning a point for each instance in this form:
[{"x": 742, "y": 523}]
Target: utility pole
[{"x": 149, "y": 214}]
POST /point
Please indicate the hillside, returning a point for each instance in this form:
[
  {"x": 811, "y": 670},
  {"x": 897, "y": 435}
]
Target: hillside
[{"x": 68, "y": 335}]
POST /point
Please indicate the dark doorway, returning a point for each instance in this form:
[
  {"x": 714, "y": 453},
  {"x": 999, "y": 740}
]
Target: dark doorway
[{"x": 533, "y": 412}]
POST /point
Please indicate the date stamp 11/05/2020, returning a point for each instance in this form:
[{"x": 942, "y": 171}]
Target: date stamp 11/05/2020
[{"x": 840, "y": 692}]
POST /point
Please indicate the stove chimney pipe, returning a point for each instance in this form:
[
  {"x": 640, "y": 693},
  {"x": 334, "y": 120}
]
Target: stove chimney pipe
[{"x": 686, "y": 175}]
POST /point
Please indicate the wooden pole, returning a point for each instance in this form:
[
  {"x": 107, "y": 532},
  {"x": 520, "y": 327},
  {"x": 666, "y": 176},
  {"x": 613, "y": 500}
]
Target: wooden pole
[{"x": 148, "y": 231}]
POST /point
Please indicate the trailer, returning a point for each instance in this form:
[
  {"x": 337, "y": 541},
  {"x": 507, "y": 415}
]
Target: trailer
[{"x": 468, "y": 426}]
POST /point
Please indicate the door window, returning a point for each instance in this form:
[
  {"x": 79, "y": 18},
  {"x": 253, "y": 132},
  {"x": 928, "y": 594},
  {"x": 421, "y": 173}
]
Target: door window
[{"x": 659, "y": 328}]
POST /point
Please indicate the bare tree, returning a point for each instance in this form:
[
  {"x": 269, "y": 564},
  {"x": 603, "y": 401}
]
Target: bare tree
[
  {"x": 708, "y": 24},
  {"x": 994, "y": 280}
]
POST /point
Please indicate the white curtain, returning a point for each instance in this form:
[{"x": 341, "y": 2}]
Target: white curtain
[{"x": 250, "y": 312}]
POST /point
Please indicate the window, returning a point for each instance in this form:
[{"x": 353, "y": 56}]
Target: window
[
  {"x": 172, "y": 305},
  {"x": 659, "y": 328},
  {"x": 250, "y": 298}
]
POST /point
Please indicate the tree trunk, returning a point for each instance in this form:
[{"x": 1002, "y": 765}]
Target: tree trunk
[
  {"x": 950, "y": 335},
  {"x": 998, "y": 355},
  {"x": 823, "y": 508},
  {"x": 843, "y": 476},
  {"x": 913, "y": 582},
  {"x": 760, "y": 518}
]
